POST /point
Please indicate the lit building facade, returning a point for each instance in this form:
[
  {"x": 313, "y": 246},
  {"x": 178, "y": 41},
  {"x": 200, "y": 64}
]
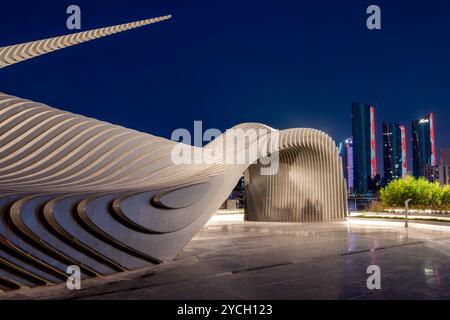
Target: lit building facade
[
  {"x": 423, "y": 145},
  {"x": 364, "y": 146},
  {"x": 444, "y": 168},
  {"x": 394, "y": 151}
]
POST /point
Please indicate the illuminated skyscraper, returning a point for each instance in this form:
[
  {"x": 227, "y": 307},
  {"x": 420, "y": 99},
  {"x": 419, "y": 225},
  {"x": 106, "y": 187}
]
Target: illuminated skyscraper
[
  {"x": 404, "y": 153},
  {"x": 394, "y": 151},
  {"x": 346, "y": 152},
  {"x": 423, "y": 145},
  {"x": 364, "y": 146}
]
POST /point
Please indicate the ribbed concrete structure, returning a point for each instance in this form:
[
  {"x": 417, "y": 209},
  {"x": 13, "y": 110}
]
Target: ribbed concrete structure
[
  {"x": 308, "y": 185},
  {"x": 78, "y": 191},
  {"x": 16, "y": 53}
]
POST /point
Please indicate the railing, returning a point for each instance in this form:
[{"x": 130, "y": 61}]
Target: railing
[{"x": 360, "y": 203}]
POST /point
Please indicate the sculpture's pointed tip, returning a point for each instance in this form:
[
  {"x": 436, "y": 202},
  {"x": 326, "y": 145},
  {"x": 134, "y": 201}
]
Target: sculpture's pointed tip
[{"x": 17, "y": 53}]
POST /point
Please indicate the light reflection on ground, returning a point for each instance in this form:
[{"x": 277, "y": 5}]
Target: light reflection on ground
[{"x": 233, "y": 259}]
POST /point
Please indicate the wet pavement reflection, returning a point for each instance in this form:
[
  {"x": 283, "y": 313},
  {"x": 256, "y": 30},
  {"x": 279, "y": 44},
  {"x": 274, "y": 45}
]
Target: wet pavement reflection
[{"x": 233, "y": 259}]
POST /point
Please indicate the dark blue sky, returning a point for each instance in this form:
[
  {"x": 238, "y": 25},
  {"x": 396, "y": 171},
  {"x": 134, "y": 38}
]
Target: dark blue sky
[{"x": 282, "y": 63}]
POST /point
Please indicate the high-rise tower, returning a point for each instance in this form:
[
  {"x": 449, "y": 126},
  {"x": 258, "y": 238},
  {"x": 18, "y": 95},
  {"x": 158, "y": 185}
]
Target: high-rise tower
[
  {"x": 364, "y": 146},
  {"x": 423, "y": 145},
  {"x": 346, "y": 152},
  {"x": 394, "y": 151}
]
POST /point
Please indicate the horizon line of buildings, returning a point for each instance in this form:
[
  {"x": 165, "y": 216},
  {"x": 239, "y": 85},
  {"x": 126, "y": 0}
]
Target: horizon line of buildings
[{"x": 359, "y": 152}]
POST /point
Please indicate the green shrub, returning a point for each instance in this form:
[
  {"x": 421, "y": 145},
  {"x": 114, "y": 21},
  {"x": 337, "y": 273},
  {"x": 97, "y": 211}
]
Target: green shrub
[{"x": 424, "y": 194}]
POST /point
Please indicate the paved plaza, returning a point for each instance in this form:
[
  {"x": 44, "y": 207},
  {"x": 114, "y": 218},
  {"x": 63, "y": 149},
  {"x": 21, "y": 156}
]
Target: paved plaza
[{"x": 233, "y": 259}]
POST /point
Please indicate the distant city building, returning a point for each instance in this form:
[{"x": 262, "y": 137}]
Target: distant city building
[
  {"x": 404, "y": 153},
  {"x": 444, "y": 168},
  {"x": 364, "y": 147},
  {"x": 394, "y": 151},
  {"x": 346, "y": 152},
  {"x": 431, "y": 173},
  {"x": 423, "y": 145},
  {"x": 375, "y": 183}
]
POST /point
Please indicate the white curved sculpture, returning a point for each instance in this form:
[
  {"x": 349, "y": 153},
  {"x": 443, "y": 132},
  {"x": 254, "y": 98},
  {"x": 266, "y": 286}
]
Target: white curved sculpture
[
  {"x": 20, "y": 52},
  {"x": 75, "y": 190}
]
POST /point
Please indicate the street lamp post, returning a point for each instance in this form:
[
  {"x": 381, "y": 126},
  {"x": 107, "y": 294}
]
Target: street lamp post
[{"x": 406, "y": 212}]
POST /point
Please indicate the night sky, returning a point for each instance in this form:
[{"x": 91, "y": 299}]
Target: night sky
[{"x": 282, "y": 63}]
